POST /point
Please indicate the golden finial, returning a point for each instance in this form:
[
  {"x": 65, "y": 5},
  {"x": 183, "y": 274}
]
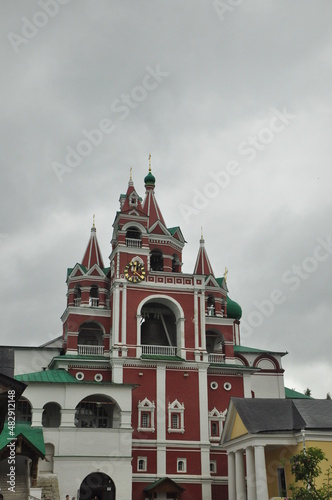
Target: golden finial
[
  {"x": 131, "y": 173},
  {"x": 93, "y": 221},
  {"x": 225, "y": 274},
  {"x": 150, "y": 162},
  {"x": 202, "y": 233}
]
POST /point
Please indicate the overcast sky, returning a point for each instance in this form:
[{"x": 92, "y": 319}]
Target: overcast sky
[{"x": 232, "y": 99}]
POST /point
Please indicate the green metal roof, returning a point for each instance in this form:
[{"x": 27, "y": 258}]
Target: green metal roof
[
  {"x": 32, "y": 434},
  {"x": 291, "y": 394},
  {"x": 85, "y": 269},
  {"x": 242, "y": 348},
  {"x": 50, "y": 376},
  {"x": 220, "y": 281},
  {"x": 163, "y": 480}
]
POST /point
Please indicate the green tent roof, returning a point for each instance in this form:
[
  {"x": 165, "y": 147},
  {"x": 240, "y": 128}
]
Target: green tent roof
[{"x": 32, "y": 434}]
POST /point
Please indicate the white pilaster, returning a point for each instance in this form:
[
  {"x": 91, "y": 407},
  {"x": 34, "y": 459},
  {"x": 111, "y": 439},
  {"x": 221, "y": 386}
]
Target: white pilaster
[
  {"x": 115, "y": 314},
  {"x": 68, "y": 417},
  {"x": 202, "y": 311},
  {"x": 231, "y": 476},
  {"x": 251, "y": 478},
  {"x": 124, "y": 315},
  {"x": 240, "y": 476},
  {"x": 196, "y": 319},
  {"x": 36, "y": 417},
  {"x": 260, "y": 469},
  {"x": 160, "y": 419}
]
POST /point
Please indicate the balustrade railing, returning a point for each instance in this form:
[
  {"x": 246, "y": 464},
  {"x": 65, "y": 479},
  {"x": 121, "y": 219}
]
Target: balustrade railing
[
  {"x": 159, "y": 350},
  {"x": 216, "y": 358},
  {"x": 90, "y": 350},
  {"x": 134, "y": 243}
]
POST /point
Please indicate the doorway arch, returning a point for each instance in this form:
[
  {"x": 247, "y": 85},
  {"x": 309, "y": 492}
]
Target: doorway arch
[{"x": 97, "y": 484}]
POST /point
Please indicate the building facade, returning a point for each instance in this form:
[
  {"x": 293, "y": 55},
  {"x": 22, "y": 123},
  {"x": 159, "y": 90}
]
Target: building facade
[{"x": 132, "y": 399}]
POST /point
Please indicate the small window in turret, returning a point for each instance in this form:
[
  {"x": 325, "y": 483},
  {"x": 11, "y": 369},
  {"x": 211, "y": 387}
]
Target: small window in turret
[{"x": 156, "y": 260}]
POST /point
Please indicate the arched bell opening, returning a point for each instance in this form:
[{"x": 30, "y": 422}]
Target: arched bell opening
[
  {"x": 97, "y": 411},
  {"x": 97, "y": 486}
]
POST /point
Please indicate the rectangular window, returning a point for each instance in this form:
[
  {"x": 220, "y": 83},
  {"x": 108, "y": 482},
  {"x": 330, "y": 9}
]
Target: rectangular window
[
  {"x": 281, "y": 482},
  {"x": 213, "y": 466},
  {"x": 175, "y": 421},
  {"x": 145, "y": 420},
  {"x": 214, "y": 428}
]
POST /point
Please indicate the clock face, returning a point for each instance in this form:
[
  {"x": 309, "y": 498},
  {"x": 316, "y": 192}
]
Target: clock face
[{"x": 134, "y": 272}]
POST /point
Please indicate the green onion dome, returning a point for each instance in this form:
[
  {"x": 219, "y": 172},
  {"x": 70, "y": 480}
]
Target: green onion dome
[
  {"x": 234, "y": 310},
  {"x": 149, "y": 180}
]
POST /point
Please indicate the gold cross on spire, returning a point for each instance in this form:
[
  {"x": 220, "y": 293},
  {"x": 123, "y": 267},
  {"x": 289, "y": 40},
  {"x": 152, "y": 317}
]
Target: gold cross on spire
[
  {"x": 93, "y": 221},
  {"x": 131, "y": 173},
  {"x": 150, "y": 162},
  {"x": 202, "y": 233},
  {"x": 225, "y": 274}
]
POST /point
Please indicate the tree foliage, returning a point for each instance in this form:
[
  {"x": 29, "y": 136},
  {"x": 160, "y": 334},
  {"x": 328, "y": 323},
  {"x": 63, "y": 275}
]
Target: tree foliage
[{"x": 305, "y": 466}]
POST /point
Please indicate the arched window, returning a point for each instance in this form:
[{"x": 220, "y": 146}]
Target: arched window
[
  {"x": 158, "y": 327},
  {"x": 23, "y": 410},
  {"x": 77, "y": 295},
  {"x": 176, "y": 268},
  {"x": 133, "y": 237},
  {"x": 94, "y": 296},
  {"x": 90, "y": 339},
  {"x": 181, "y": 465},
  {"x": 214, "y": 342},
  {"x": 211, "y": 307},
  {"x": 96, "y": 411},
  {"x": 156, "y": 260},
  {"x": 51, "y": 415}
]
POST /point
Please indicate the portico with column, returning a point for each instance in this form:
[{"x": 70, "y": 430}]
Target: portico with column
[{"x": 247, "y": 477}]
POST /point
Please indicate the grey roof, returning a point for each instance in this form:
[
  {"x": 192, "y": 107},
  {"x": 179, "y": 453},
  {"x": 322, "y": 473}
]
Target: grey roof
[{"x": 280, "y": 415}]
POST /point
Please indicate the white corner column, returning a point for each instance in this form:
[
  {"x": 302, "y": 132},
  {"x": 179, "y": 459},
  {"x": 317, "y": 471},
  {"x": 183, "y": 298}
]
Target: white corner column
[
  {"x": 241, "y": 493},
  {"x": 231, "y": 476},
  {"x": 251, "y": 477},
  {"x": 260, "y": 468}
]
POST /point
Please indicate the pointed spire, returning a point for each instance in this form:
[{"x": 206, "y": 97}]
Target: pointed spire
[
  {"x": 150, "y": 205},
  {"x": 92, "y": 253},
  {"x": 130, "y": 183},
  {"x": 203, "y": 265}
]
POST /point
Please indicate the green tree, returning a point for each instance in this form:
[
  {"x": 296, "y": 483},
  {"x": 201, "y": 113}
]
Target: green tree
[
  {"x": 307, "y": 392},
  {"x": 328, "y": 396},
  {"x": 305, "y": 466}
]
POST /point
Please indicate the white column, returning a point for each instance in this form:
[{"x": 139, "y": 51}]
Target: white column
[
  {"x": 231, "y": 476},
  {"x": 160, "y": 420},
  {"x": 115, "y": 314},
  {"x": 68, "y": 417},
  {"x": 240, "y": 476},
  {"x": 124, "y": 315},
  {"x": 36, "y": 417},
  {"x": 196, "y": 319},
  {"x": 202, "y": 311},
  {"x": 260, "y": 468},
  {"x": 251, "y": 478}
]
